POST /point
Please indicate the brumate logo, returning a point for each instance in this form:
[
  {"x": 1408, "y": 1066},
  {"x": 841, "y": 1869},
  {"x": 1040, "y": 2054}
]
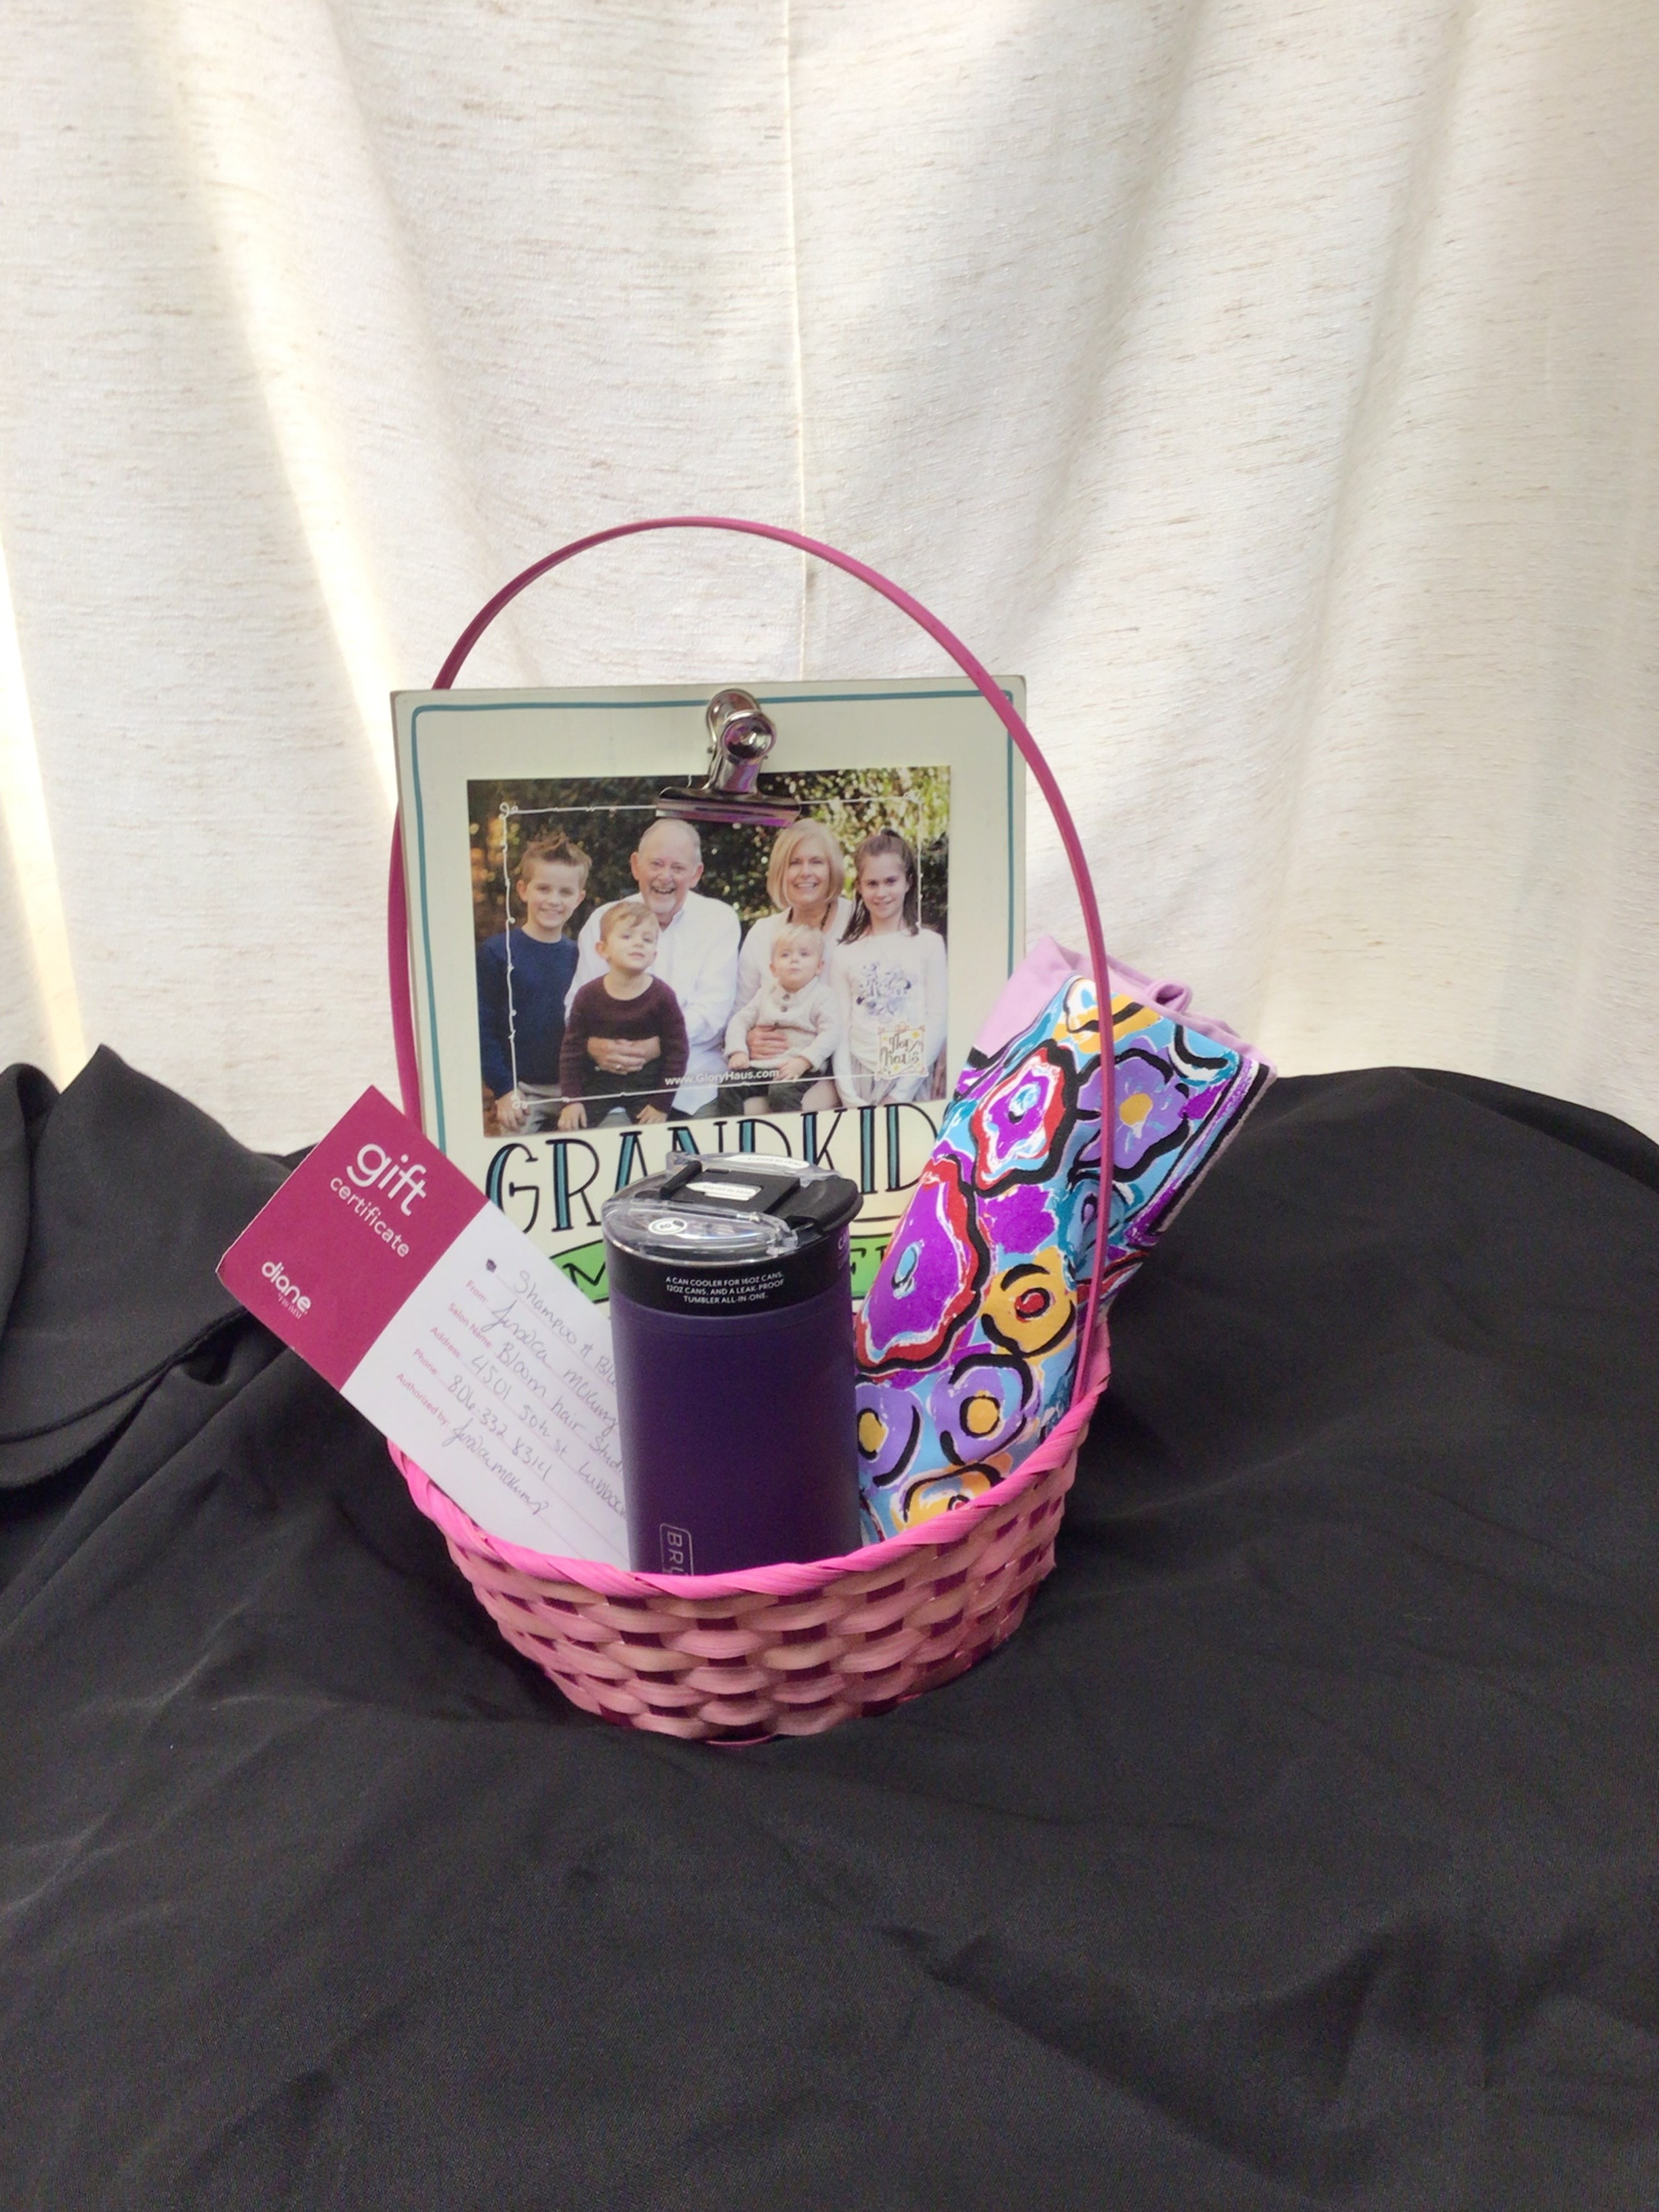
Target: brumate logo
[
  {"x": 374, "y": 1169},
  {"x": 285, "y": 1286}
]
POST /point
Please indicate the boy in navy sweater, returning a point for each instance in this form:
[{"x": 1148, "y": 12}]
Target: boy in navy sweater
[{"x": 522, "y": 978}]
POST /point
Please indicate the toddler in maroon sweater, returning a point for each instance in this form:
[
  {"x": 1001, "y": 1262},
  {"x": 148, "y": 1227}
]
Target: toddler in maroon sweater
[{"x": 628, "y": 1005}]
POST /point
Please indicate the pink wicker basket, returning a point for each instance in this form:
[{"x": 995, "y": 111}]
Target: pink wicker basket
[{"x": 787, "y": 1650}]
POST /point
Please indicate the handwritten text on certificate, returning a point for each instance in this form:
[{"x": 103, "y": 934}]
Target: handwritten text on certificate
[{"x": 394, "y": 1276}]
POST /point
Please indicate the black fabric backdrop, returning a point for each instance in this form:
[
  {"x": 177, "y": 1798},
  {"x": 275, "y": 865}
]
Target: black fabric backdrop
[{"x": 1302, "y": 1849}]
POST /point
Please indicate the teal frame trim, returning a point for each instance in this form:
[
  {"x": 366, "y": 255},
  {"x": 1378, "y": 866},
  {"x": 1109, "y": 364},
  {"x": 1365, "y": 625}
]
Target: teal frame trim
[
  {"x": 609, "y": 706},
  {"x": 426, "y": 927},
  {"x": 1009, "y": 744}
]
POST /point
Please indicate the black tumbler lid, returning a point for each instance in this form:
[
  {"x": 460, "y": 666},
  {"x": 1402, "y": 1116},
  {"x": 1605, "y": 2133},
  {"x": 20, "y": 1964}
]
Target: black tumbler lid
[{"x": 729, "y": 1210}]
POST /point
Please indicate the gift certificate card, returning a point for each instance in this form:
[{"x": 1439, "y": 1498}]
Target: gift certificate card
[{"x": 397, "y": 1280}]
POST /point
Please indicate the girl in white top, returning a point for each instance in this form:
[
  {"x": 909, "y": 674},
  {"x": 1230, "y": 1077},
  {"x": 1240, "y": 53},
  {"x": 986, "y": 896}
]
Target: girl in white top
[
  {"x": 803, "y": 880},
  {"x": 890, "y": 982}
]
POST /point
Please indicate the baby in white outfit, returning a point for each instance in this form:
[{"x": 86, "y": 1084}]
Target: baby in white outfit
[{"x": 794, "y": 999}]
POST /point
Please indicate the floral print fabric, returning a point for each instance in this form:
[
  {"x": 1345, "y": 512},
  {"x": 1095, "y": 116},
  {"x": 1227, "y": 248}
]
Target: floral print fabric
[{"x": 967, "y": 1340}]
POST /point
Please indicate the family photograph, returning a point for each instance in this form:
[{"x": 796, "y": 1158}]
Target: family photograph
[{"x": 634, "y": 967}]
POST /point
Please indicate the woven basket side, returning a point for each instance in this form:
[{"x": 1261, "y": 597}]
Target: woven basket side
[
  {"x": 705, "y": 1668},
  {"x": 867, "y": 1568}
]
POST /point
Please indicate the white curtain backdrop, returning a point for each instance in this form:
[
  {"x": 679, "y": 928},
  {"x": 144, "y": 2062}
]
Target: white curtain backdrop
[{"x": 1273, "y": 383}]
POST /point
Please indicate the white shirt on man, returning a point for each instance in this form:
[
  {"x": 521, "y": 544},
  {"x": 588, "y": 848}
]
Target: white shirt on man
[{"x": 697, "y": 958}]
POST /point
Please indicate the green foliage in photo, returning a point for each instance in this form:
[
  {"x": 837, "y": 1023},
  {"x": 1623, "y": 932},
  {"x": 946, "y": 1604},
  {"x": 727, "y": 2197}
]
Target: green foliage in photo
[{"x": 607, "y": 815}]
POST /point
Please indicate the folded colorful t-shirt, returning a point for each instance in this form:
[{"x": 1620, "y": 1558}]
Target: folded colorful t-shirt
[{"x": 967, "y": 1340}]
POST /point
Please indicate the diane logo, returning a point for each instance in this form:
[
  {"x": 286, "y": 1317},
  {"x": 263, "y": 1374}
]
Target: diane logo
[
  {"x": 374, "y": 1169},
  {"x": 285, "y": 1287}
]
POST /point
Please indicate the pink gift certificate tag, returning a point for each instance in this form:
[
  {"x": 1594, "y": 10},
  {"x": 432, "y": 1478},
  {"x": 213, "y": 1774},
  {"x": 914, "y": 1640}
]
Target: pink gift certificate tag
[{"x": 397, "y": 1280}]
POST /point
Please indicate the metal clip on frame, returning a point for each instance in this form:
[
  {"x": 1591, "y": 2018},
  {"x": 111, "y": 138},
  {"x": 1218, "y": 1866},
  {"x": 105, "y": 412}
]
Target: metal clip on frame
[{"x": 740, "y": 736}]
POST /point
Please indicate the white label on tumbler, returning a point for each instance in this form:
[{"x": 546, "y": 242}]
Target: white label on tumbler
[{"x": 395, "y": 1278}]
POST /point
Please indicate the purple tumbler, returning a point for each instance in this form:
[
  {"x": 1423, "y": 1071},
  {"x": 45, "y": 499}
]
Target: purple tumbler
[{"x": 732, "y": 1327}]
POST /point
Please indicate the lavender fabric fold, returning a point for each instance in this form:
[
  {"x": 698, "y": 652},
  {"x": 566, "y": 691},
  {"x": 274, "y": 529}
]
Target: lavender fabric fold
[{"x": 967, "y": 1340}]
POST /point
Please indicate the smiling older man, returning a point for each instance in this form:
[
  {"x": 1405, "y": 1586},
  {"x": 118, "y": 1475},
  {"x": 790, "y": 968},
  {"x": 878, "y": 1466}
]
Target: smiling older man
[{"x": 696, "y": 958}]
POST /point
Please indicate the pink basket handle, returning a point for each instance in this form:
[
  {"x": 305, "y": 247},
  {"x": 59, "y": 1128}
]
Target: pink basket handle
[{"x": 397, "y": 951}]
